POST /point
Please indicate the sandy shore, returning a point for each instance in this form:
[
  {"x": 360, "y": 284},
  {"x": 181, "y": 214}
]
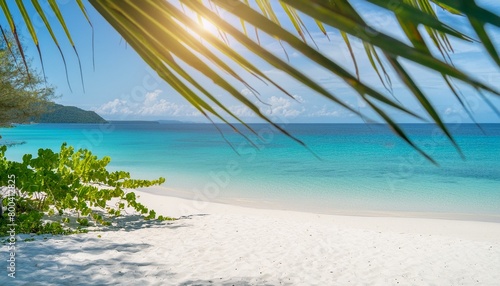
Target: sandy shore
[{"x": 218, "y": 244}]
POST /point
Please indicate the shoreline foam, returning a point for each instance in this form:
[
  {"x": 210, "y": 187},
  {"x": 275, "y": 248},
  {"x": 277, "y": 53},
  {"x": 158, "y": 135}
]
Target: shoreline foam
[{"x": 309, "y": 207}]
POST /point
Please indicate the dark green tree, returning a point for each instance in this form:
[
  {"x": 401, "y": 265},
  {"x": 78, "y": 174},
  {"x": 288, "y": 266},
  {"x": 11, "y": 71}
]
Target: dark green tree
[{"x": 23, "y": 95}]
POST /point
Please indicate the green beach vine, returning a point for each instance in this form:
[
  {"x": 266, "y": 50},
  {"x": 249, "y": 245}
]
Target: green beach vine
[{"x": 73, "y": 182}]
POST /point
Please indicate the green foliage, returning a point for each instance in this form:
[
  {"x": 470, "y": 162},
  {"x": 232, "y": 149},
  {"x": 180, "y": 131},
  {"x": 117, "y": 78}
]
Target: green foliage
[
  {"x": 29, "y": 220},
  {"x": 23, "y": 95},
  {"x": 74, "y": 181}
]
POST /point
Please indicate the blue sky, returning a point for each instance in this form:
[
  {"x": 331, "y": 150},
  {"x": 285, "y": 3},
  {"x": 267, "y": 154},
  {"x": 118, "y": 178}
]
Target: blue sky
[{"x": 123, "y": 87}]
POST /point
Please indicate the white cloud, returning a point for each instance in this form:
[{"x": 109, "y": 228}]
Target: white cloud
[
  {"x": 325, "y": 112},
  {"x": 285, "y": 107},
  {"x": 246, "y": 92},
  {"x": 115, "y": 106},
  {"x": 151, "y": 105},
  {"x": 275, "y": 106},
  {"x": 453, "y": 110},
  {"x": 299, "y": 98},
  {"x": 241, "y": 111}
]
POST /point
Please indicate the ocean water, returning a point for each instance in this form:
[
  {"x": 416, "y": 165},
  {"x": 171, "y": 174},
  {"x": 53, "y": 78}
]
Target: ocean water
[{"x": 346, "y": 168}]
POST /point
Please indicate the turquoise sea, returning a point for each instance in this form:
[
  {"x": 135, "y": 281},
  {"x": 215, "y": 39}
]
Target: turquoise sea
[{"x": 347, "y": 168}]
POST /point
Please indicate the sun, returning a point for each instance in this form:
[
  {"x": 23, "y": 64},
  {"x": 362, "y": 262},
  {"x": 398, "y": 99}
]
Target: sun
[{"x": 207, "y": 26}]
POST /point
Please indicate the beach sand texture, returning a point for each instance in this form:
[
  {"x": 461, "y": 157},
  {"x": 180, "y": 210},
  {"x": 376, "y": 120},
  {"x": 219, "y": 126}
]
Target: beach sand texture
[{"x": 218, "y": 244}]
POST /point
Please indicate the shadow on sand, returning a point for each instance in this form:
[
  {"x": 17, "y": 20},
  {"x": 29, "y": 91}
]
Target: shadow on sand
[{"x": 38, "y": 265}]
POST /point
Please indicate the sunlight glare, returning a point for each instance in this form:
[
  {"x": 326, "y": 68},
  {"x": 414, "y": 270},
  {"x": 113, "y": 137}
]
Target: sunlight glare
[{"x": 208, "y": 26}]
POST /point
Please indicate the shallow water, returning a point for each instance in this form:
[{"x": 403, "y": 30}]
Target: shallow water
[{"x": 348, "y": 167}]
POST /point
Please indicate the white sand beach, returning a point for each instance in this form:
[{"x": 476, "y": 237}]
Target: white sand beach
[{"x": 219, "y": 244}]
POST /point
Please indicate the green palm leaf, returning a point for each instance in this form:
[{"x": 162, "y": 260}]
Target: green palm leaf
[{"x": 163, "y": 33}]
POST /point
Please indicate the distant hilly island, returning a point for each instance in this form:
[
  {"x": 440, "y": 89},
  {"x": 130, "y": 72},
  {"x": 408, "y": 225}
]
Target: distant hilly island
[
  {"x": 146, "y": 121},
  {"x": 69, "y": 114}
]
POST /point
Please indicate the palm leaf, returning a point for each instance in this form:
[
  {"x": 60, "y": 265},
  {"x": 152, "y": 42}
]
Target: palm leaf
[
  {"x": 46, "y": 22},
  {"x": 13, "y": 29},
  {"x": 168, "y": 40},
  {"x": 84, "y": 12},
  {"x": 60, "y": 18},
  {"x": 31, "y": 30}
]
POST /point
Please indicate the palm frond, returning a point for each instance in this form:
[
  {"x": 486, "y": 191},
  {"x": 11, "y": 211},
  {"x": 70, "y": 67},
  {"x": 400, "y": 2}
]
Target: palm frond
[{"x": 163, "y": 33}]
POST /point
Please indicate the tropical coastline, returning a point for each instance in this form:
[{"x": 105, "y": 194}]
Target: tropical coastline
[
  {"x": 225, "y": 236},
  {"x": 239, "y": 143}
]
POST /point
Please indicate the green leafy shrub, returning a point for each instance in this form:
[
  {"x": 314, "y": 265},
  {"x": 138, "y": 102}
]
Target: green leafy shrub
[{"x": 75, "y": 181}]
